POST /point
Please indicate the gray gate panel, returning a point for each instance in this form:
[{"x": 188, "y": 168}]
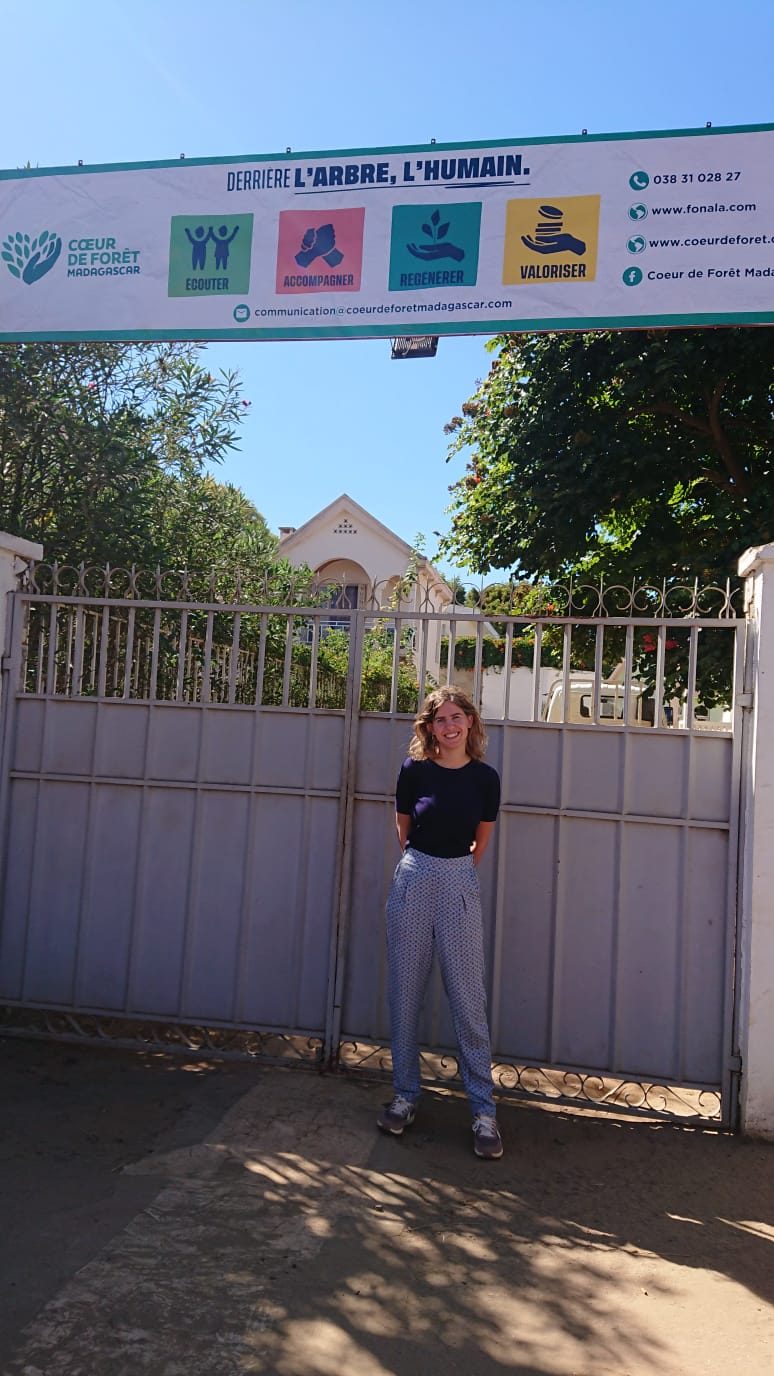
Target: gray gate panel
[
  {"x": 656, "y": 774},
  {"x": 585, "y": 942},
  {"x": 703, "y": 958},
  {"x": 293, "y": 862},
  {"x": 710, "y": 793},
  {"x": 162, "y": 900},
  {"x": 382, "y": 746},
  {"x": 173, "y": 743},
  {"x": 226, "y": 747},
  {"x": 521, "y": 997},
  {"x": 68, "y": 737},
  {"x": 286, "y": 745},
  {"x": 56, "y": 891},
  {"x": 28, "y": 743},
  {"x": 317, "y": 915},
  {"x": 23, "y": 801},
  {"x": 375, "y": 855},
  {"x": 647, "y": 1022},
  {"x": 593, "y": 769},
  {"x": 211, "y": 963},
  {"x": 531, "y": 765},
  {"x": 108, "y": 897},
  {"x": 326, "y": 756},
  {"x": 122, "y": 734}
]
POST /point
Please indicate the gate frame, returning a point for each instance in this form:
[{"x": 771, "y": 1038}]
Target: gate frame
[{"x": 749, "y": 1018}]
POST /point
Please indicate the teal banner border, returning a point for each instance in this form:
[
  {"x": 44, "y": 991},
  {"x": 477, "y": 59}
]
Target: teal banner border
[
  {"x": 485, "y": 327},
  {"x": 80, "y": 169}
]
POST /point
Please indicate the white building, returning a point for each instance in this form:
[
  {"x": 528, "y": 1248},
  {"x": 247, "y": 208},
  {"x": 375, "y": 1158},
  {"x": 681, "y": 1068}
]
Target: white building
[
  {"x": 346, "y": 546},
  {"x": 366, "y": 565}
]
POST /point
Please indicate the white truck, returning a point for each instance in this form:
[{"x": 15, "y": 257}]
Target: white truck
[{"x": 612, "y": 701}]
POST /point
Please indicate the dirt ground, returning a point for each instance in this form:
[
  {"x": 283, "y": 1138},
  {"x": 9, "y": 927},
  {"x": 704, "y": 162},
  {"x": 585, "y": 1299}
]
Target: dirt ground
[{"x": 163, "y": 1216}]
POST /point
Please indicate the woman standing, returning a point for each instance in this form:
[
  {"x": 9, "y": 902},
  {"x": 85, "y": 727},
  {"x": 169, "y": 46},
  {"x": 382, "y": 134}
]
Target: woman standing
[{"x": 446, "y": 805}]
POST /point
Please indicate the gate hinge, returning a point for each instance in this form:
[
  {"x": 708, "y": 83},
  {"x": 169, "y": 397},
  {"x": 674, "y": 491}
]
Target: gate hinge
[
  {"x": 5, "y": 663},
  {"x": 734, "y": 1062},
  {"x": 744, "y": 700}
]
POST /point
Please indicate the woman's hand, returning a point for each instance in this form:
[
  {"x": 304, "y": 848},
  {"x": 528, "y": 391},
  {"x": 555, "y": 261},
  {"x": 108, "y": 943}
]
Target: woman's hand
[
  {"x": 402, "y": 824},
  {"x": 483, "y": 836}
]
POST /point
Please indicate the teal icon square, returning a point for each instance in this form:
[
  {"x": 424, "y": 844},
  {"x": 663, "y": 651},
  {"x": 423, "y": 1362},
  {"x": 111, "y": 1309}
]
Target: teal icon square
[
  {"x": 434, "y": 246},
  {"x": 209, "y": 255}
]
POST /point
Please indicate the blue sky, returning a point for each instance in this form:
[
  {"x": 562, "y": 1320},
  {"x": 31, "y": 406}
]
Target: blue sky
[{"x": 115, "y": 83}]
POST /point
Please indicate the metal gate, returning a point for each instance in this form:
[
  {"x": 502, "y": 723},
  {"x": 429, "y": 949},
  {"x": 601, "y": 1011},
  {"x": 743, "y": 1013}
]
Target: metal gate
[{"x": 198, "y": 833}]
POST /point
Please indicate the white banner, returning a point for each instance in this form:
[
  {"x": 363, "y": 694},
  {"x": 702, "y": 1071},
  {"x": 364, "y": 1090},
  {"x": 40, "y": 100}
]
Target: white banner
[{"x": 617, "y": 230}]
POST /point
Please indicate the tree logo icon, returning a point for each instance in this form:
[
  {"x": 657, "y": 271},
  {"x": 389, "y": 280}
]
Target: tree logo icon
[{"x": 30, "y": 259}]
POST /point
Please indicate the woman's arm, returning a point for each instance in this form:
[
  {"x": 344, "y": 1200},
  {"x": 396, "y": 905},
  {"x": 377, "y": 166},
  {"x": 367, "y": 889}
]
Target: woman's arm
[
  {"x": 402, "y": 824},
  {"x": 483, "y": 834}
]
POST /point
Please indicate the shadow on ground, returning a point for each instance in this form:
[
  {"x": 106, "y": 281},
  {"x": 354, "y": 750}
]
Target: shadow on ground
[{"x": 292, "y": 1240}]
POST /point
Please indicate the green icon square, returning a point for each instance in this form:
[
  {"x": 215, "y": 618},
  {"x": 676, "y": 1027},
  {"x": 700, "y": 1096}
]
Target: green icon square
[
  {"x": 209, "y": 255},
  {"x": 434, "y": 246}
]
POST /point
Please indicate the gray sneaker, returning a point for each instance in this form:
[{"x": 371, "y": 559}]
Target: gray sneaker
[
  {"x": 396, "y": 1116},
  {"x": 487, "y": 1141}
]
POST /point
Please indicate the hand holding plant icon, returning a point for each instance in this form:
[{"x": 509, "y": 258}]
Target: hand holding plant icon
[
  {"x": 30, "y": 259},
  {"x": 435, "y": 231}
]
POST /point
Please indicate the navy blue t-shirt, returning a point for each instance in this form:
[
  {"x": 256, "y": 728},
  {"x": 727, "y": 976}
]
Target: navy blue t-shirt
[{"x": 446, "y": 805}]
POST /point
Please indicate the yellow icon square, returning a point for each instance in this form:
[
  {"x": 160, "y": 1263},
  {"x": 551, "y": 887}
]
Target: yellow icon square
[{"x": 553, "y": 239}]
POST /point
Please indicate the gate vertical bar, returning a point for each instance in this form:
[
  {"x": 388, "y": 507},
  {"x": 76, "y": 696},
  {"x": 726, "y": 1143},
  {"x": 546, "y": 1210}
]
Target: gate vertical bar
[{"x": 344, "y": 843}]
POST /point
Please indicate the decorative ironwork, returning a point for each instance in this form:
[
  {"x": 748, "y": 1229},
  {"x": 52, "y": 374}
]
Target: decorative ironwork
[
  {"x": 239, "y": 585},
  {"x": 222, "y": 586},
  {"x": 584, "y": 1088},
  {"x": 605, "y": 1091},
  {"x": 280, "y": 1048},
  {"x": 539, "y": 600}
]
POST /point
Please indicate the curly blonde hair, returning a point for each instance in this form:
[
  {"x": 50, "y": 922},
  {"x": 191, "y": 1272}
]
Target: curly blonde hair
[{"x": 423, "y": 743}]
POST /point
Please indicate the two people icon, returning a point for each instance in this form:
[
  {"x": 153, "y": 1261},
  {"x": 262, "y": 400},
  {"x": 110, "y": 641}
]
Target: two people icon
[{"x": 220, "y": 238}]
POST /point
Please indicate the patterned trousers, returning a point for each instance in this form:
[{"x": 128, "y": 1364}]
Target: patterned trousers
[{"x": 436, "y": 902}]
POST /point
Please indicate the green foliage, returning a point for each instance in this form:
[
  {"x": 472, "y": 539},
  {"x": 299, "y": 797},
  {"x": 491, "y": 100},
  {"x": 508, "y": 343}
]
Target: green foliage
[
  {"x": 714, "y": 663},
  {"x": 405, "y": 585},
  {"x": 103, "y": 455},
  {"x": 377, "y": 671},
  {"x": 333, "y": 659},
  {"x": 493, "y": 651},
  {"x": 624, "y": 454}
]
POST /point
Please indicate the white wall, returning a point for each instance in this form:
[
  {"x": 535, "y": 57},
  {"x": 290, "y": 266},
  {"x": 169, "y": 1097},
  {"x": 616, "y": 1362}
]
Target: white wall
[
  {"x": 521, "y": 693},
  {"x": 755, "y": 957}
]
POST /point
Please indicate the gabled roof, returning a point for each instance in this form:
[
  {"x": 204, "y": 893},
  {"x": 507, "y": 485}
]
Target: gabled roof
[
  {"x": 346, "y": 504},
  {"x": 355, "y": 509}
]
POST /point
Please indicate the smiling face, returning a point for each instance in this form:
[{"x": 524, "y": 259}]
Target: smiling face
[{"x": 450, "y": 727}]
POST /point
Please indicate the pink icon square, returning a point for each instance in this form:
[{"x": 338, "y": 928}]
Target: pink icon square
[{"x": 320, "y": 250}]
